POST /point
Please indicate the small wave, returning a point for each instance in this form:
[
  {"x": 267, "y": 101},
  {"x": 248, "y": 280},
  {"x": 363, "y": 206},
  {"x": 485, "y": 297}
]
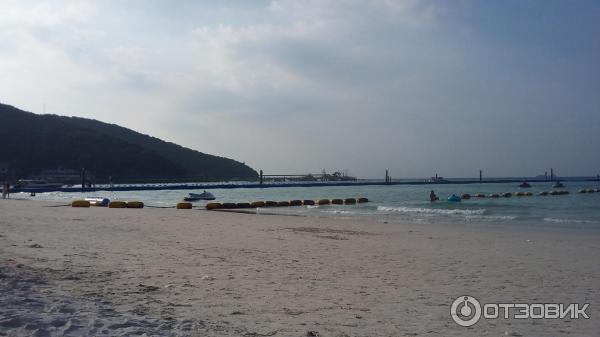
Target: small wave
[
  {"x": 555, "y": 220},
  {"x": 339, "y": 212},
  {"x": 492, "y": 217},
  {"x": 421, "y": 210}
]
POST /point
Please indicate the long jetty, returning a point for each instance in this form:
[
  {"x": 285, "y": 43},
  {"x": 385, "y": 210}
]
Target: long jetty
[{"x": 208, "y": 186}]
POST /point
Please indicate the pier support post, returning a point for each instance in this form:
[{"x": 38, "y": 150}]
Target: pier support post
[
  {"x": 480, "y": 176},
  {"x": 83, "y": 179},
  {"x": 551, "y": 174},
  {"x": 261, "y": 177},
  {"x": 387, "y": 177}
]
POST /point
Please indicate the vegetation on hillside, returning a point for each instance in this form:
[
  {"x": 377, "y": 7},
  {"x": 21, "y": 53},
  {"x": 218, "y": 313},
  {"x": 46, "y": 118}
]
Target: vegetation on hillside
[{"x": 32, "y": 143}]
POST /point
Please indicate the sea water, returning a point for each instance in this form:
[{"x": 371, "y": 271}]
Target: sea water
[{"x": 403, "y": 203}]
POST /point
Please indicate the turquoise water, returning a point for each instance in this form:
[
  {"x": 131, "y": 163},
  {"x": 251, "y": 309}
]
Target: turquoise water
[{"x": 407, "y": 203}]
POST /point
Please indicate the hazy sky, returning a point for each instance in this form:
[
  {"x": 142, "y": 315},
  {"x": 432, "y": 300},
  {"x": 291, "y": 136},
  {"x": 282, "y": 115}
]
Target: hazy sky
[{"x": 418, "y": 87}]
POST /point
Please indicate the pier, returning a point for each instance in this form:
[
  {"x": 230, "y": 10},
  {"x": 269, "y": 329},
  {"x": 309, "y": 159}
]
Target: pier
[{"x": 208, "y": 186}]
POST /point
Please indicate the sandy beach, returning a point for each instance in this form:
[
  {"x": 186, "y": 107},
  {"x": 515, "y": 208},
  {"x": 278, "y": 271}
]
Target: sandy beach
[{"x": 167, "y": 272}]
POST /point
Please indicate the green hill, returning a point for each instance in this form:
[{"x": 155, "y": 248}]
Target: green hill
[{"x": 32, "y": 143}]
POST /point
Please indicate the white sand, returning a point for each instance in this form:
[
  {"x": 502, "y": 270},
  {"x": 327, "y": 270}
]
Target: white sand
[{"x": 83, "y": 272}]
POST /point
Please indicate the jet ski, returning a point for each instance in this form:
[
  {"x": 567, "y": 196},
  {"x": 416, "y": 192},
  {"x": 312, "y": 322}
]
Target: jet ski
[
  {"x": 454, "y": 198},
  {"x": 524, "y": 185},
  {"x": 202, "y": 196}
]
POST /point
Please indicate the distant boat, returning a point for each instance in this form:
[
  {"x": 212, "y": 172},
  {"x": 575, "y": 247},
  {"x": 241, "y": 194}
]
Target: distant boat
[
  {"x": 436, "y": 179},
  {"x": 558, "y": 184},
  {"x": 41, "y": 184},
  {"x": 524, "y": 185},
  {"x": 202, "y": 196}
]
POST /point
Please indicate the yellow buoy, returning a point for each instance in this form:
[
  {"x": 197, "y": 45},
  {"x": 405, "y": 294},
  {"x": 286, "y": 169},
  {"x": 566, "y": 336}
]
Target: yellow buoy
[
  {"x": 480, "y": 195},
  {"x": 494, "y": 195},
  {"x": 213, "y": 205},
  {"x": 242, "y": 205},
  {"x": 257, "y": 204},
  {"x": 507, "y": 194},
  {"x": 465, "y": 196},
  {"x": 528, "y": 194},
  {"x": 135, "y": 204},
  {"x": 363, "y": 200},
  {"x": 117, "y": 204},
  {"x": 228, "y": 205},
  {"x": 270, "y": 203},
  {"x": 80, "y": 203},
  {"x": 184, "y": 205},
  {"x": 590, "y": 190},
  {"x": 324, "y": 202},
  {"x": 337, "y": 201},
  {"x": 295, "y": 202},
  {"x": 582, "y": 191},
  {"x": 308, "y": 202},
  {"x": 283, "y": 203},
  {"x": 543, "y": 193}
]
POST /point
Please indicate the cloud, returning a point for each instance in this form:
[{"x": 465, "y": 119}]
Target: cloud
[
  {"x": 44, "y": 13},
  {"x": 409, "y": 85}
]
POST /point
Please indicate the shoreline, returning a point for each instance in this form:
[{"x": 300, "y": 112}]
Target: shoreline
[
  {"x": 183, "y": 272},
  {"x": 442, "y": 224}
]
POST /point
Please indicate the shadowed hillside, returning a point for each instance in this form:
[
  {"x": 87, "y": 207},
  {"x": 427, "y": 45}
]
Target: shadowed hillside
[{"x": 31, "y": 143}]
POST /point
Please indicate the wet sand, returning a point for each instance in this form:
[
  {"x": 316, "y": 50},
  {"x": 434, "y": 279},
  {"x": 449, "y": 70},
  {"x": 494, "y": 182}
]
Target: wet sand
[{"x": 167, "y": 272}]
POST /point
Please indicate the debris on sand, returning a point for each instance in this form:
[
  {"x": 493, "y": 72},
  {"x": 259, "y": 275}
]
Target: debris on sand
[{"x": 145, "y": 288}]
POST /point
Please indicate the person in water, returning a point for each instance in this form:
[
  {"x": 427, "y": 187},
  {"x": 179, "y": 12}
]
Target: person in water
[{"x": 432, "y": 196}]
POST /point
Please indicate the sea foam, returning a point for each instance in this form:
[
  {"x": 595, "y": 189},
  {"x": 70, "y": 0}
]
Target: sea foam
[
  {"x": 421, "y": 210},
  {"x": 555, "y": 220}
]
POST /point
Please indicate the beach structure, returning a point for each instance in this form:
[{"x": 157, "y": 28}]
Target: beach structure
[
  {"x": 338, "y": 176},
  {"x": 279, "y": 184}
]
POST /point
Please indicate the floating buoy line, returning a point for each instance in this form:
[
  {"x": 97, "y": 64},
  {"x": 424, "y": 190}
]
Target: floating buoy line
[{"x": 225, "y": 205}]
